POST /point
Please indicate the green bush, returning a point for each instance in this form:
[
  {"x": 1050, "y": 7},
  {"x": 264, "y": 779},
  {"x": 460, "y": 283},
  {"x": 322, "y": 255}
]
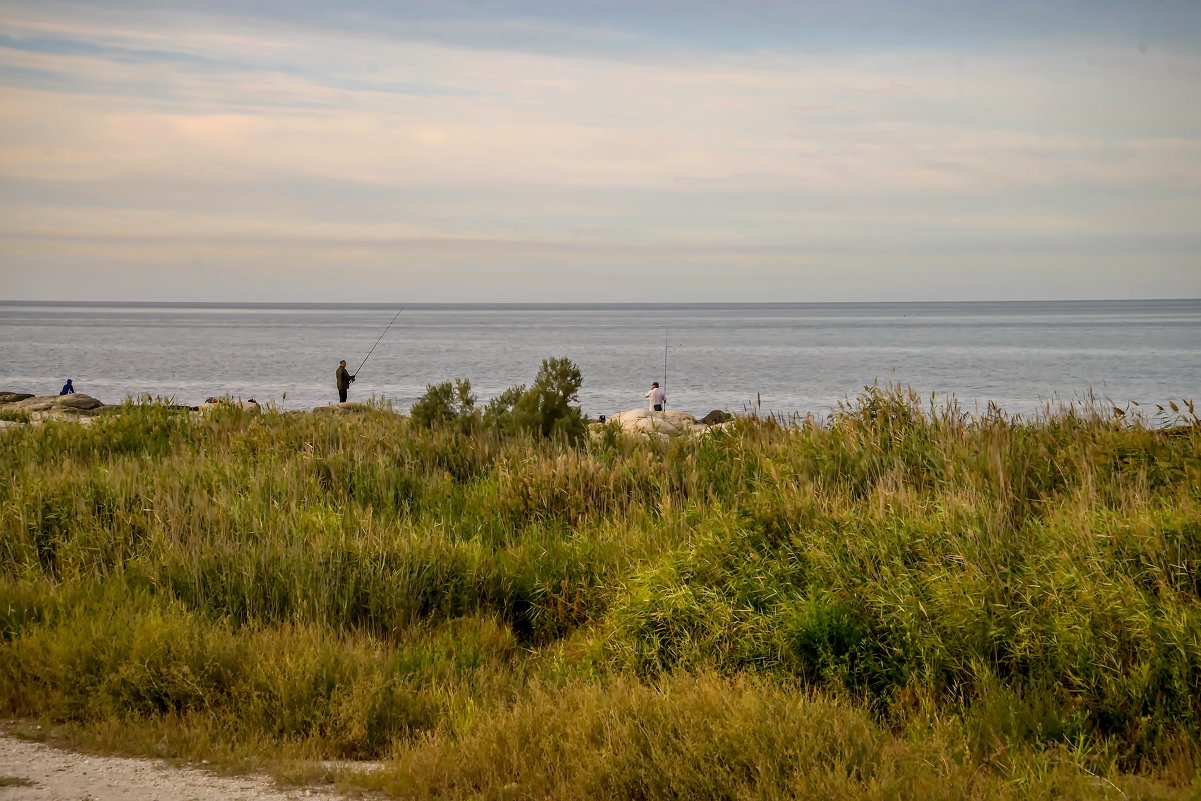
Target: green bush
[
  {"x": 547, "y": 408},
  {"x": 498, "y": 413},
  {"x": 446, "y": 403}
]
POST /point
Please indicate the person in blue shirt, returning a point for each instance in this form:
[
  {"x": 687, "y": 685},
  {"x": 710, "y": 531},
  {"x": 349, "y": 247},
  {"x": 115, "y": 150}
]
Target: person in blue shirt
[{"x": 68, "y": 388}]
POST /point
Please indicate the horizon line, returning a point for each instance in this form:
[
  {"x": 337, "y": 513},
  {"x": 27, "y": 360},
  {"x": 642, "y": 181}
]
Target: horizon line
[{"x": 562, "y": 304}]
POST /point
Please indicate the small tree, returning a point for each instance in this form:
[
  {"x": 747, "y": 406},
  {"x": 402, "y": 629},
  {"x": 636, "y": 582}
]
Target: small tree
[
  {"x": 498, "y": 413},
  {"x": 446, "y": 403},
  {"x": 546, "y": 407}
]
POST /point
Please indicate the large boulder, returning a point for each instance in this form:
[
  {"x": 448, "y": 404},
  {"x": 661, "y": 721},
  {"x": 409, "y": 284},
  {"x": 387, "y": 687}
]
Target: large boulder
[
  {"x": 665, "y": 424},
  {"x": 13, "y": 397},
  {"x": 717, "y": 416},
  {"x": 60, "y": 407},
  {"x": 40, "y": 403},
  {"x": 76, "y": 404}
]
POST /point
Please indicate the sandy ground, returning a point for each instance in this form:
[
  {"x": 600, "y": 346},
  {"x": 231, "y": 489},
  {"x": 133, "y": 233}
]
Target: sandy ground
[{"x": 56, "y": 775}]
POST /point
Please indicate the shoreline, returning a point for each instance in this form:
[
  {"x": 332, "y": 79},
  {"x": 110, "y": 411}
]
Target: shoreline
[{"x": 84, "y": 409}]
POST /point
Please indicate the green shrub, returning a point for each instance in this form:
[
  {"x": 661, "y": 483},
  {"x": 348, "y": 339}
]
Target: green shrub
[
  {"x": 446, "y": 403},
  {"x": 498, "y": 413},
  {"x": 546, "y": 407}
]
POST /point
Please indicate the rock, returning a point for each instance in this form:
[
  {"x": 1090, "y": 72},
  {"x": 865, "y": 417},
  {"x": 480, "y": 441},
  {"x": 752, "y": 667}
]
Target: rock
[
  {"x": 13, "y": 397},
  {"x": 226, "y": 403},
  {"x": 79, "y": 402},
  {"x": 346, "y": 407},
  {"x": 71, "y": 404},
  {"x": 35, "y": 404},
  {"x": 666, "y": 424},
  {"x": 717, "y": 416}
]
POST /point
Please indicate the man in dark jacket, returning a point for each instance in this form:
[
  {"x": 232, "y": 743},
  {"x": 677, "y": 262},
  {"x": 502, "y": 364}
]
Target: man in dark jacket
[
  {"x": 68, "y": 388},
  {"x": 344, "y": 378}
]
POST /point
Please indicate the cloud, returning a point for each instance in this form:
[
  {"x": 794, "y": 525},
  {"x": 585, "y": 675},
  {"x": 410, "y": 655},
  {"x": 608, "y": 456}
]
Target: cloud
[{"x": 163, "y": 136}]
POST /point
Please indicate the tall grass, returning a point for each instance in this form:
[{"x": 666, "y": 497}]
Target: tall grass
[{"x": 1015, "y": 602}]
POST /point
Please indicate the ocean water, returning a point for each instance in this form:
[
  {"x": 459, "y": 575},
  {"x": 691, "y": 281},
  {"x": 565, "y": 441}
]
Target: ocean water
[{"x": 782, "y": 358}]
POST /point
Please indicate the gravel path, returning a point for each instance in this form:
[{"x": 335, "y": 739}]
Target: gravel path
[{"x": 55, "y": 775}]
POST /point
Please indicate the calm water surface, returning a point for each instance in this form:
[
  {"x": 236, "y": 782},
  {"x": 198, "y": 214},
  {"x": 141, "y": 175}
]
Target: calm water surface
[{"x": 786, "y": 357}]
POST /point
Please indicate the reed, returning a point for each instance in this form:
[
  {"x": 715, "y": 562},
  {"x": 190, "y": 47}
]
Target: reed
[{"x": 901, "y": 601}]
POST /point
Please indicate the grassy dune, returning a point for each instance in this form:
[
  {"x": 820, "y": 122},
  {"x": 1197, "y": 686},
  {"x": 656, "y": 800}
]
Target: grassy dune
[{"x": 901, "y": 603}]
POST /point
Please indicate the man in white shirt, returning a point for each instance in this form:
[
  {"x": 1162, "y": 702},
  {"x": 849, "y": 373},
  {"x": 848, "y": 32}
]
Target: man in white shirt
[{"x": 657, "y": 397}]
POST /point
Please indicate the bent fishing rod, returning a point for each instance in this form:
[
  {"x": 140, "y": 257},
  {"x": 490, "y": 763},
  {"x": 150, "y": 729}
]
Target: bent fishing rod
[{"x": 381, "y": 337}]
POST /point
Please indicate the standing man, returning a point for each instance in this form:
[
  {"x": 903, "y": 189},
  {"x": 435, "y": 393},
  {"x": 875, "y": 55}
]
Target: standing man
[
  {"x": 657, "y": 397},
  {"x": 344, "y": 378},
  {"x": 68, "y": 388}
]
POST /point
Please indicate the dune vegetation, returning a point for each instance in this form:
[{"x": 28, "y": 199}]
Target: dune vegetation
[{"x": 901, "y": 601}]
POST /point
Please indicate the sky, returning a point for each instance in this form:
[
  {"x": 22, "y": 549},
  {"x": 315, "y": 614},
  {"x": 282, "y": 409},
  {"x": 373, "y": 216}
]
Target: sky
[{"x": 578, "y": 151}]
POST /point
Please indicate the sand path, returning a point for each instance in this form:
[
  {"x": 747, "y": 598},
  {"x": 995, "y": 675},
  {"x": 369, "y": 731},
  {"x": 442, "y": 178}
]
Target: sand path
[{"x": 56, "y": 775}]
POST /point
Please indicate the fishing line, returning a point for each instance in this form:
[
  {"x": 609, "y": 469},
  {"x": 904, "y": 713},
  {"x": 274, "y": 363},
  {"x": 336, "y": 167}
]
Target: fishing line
[
  {"x": 665, "y": 371},
  {"x": 381, "y": 336}
]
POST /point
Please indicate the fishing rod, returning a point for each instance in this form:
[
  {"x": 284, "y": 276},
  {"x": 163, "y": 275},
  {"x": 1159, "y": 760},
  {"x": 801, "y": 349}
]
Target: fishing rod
[
  {"x": 381, "y": 336},
  {"x": 665, "y": 371}
]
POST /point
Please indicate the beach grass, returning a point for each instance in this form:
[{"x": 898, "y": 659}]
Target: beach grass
[
  {"x": 902, "y": 601},
  {"x": 15, "y": 415}
]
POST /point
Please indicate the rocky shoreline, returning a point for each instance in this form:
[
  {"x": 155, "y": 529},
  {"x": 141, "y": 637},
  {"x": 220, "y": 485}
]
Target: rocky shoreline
[
  {"x": 669, "y": 423},
  {"x": 21, "y": 408},
  {"x": 18, "y": 409}
]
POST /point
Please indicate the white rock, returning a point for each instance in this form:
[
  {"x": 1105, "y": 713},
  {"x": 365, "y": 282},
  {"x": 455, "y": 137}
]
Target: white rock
[
  {"x": 221, "y": 403},
  {"x": 665, "y": 424}
]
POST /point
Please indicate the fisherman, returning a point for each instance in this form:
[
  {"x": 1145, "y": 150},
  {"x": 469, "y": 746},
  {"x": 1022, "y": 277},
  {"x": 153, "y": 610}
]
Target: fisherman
[
  {"x": 657, "y": 397},
  {"x": 68, "y": 388},
  {"x": 344, "y": 378}
]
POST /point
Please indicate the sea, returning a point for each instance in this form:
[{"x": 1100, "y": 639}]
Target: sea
[{"x": 767, "y": 358}]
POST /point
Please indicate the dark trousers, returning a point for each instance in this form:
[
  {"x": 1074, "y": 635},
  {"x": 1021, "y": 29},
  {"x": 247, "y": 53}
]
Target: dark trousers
[
  {"x": 341, "y": 396},
  {"x": 658, "y": 407}
]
